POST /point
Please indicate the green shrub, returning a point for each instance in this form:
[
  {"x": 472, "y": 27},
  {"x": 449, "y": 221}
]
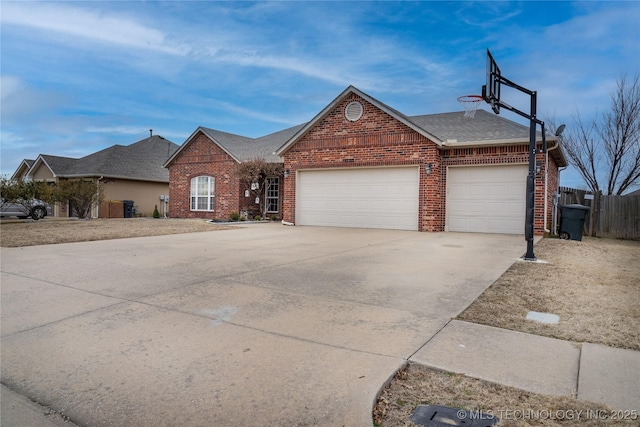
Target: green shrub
[
  {"x": 156, "y": 214},
  {"x": 234, "y": 216}
]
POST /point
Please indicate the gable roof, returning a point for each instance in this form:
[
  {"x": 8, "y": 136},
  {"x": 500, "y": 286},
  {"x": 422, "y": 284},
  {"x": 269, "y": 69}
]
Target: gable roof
[
  {"x": 56, "y": 164},
  {"x": 446, "y": 130},
  {"x": 25, "y": 165},
  {"x": 348, "y": 91},
  {"x": 242, "y": 148},
  {"x": 141, "y": 160}
]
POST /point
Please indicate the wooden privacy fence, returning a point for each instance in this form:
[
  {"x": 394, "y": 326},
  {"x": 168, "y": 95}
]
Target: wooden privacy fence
[{"x": 616, "y": 217}]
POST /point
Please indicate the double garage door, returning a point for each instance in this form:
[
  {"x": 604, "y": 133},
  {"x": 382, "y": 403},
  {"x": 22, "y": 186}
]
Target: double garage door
[
  {"x": 485, "y": 199},
  {"x": 359, "y": 197}
]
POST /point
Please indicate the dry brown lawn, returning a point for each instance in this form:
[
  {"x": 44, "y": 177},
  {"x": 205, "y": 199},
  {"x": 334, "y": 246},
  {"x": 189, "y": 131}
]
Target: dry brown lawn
[
  {"x": 592, "y": 285},
  {"x": 417, "y": 385},
  {"x": 15, "y": 233}
]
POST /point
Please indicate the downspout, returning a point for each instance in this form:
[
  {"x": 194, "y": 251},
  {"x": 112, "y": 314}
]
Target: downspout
[
  {"x": 98, "y": 196},
  {"x": 546, "y": 186}
]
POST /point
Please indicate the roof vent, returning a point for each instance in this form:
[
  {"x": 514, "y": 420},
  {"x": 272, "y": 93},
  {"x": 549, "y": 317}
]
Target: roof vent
[{"x": 353, "y": 112}]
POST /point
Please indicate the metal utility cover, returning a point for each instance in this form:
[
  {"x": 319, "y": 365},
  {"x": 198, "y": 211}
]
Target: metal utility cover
[
  {"x": 446, "y": 416},
  {"x": 547, "y": 318}
]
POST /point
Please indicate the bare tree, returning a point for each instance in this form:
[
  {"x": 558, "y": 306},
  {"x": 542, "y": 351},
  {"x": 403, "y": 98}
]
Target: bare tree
[
  {"x": 606, "y": 150},
  {"x": 82, "y": 195},
  {"x": 253, "y": 176}
]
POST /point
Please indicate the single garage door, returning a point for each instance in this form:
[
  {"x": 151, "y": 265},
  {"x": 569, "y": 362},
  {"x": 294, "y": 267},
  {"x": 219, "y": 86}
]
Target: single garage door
[
  {"x": 486, "y": 199},
  {"x": 359, "y": 197}
]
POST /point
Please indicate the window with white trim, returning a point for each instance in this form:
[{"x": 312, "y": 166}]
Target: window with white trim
[
  {"x": 272, "y": 193},
  {"x": 202, "y": 193}
]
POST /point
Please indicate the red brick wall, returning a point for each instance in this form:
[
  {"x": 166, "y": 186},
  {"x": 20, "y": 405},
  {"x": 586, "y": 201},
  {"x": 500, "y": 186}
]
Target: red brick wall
[
  {"x": 378, "y": 139},
  {"x": 203, "y": 157}
]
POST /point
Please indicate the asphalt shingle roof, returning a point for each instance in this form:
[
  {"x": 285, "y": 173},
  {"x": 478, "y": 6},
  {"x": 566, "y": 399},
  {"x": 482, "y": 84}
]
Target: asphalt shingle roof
[
  {"x": 484, "y": 126},
  {"x": 243, "y": 148},
  {"x": 141, "y": 160},
  {"x": 58, "y": 164}
]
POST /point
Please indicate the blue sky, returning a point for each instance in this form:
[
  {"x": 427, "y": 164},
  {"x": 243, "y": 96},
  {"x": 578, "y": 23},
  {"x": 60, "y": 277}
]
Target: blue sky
[{"x": 78, "y": 77}]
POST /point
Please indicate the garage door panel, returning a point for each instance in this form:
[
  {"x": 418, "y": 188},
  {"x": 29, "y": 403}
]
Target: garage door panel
[
  {"x": 510, "y": 209},
  {"x": 489, "y": 199},
  {"x": 359, "y": 197}
]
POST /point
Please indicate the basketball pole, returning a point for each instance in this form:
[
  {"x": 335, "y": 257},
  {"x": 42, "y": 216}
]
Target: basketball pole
[
  {"x": 531, "y": 180},
  {"x": 496, "y": 104}
]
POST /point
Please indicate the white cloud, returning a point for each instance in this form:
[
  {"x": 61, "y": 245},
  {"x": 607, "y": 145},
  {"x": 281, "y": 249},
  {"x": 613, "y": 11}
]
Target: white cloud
[
  {"x": 88, "y": 25},
  {"x": 10, "y": 86},
  {"x": 10, "y": 140},
  {"x": 240, "y": 39},
  {"x": 126, "y": 130},
  {"x": 135, "y": 132},
  {"x": 249, "y": 113},
  {"x": 475, "y": 13},
  {"x": 19, "y": 100}
]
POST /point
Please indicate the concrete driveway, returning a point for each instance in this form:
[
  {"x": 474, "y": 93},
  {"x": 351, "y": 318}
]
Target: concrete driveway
[{"x": 254, "y": 326}]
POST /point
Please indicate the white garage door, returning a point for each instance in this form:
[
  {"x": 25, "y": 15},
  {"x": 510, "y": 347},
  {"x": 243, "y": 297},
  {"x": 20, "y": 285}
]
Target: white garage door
[
  {"x": 359, "y": 198},
  {"x": 486, "y": 199}
]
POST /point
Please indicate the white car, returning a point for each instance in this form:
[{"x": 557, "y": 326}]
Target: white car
[{"x": 36, "y": 209}]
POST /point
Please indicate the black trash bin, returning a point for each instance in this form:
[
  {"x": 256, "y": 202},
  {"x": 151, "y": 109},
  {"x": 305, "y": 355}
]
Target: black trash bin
[
  {"x": 128, "y": 208},
  {"x": 572, "y": 221}
]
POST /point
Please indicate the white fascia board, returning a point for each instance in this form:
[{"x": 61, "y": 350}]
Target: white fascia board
[
  {"x": 128, "y": 178},
  {"x": 37, "y": 162},
  {"x": 488, "y": 142}
]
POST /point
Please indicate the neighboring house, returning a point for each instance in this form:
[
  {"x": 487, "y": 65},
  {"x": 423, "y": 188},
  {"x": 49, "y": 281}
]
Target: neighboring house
[
  {"x": 360, "y": 163},
  {"x": 22, "y": 170},
  {"x": 133, "y": 172}
]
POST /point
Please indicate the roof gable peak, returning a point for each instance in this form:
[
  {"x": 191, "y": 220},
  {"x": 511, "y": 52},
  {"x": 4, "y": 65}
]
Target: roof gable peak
[{"x": 373, "y": 101}]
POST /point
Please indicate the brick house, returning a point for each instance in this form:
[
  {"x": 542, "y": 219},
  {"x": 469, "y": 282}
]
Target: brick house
[
  {"x": 202, "y": 174},
  {"x": 360, "y": 163}
]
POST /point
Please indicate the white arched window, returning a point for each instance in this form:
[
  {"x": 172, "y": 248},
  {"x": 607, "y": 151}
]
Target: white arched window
[{"x": 202, "y": 193}]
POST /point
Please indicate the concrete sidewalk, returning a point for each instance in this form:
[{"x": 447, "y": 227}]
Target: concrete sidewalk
[
  {"x": 538, "y": 364},
  {"x": 18, "y": 411}
]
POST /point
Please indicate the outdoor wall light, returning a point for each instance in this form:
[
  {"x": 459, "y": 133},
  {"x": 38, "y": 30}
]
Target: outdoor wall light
[
  {"x": 538, "y": 167},
  {"x": 286, "y": 173},
  {"x": 428, "y": 167}
]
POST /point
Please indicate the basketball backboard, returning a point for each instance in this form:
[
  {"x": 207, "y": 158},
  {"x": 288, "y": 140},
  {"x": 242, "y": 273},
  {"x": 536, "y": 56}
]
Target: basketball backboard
[{"x": 491, "y": 91}]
